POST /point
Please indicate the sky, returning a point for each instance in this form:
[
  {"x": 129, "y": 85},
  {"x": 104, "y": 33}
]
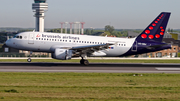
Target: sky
[{"x": 122, "y": 14}]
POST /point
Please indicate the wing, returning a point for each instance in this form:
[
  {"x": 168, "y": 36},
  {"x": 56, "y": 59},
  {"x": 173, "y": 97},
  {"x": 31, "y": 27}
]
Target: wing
[{"x": 91, "y": 48}]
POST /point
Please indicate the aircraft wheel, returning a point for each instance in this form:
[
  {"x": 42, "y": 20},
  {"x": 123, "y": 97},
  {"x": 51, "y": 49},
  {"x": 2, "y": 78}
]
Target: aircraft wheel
[
  {"x": 86, "y": 62},
  {"x": 82, "y": 61},
  {"x": 29, "y": 59}
]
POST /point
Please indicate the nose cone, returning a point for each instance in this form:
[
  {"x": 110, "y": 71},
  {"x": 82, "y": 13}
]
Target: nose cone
[{"x": 8, "y": 43}]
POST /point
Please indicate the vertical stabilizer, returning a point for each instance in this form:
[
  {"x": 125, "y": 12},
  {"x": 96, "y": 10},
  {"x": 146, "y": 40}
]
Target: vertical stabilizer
[{"x": 155, "y": 31}]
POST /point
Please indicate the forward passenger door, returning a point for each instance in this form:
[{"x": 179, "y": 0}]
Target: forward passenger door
[{"x": 31, "y": 38}]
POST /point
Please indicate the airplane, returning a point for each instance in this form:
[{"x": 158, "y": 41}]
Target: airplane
[{"x": 66, "y": 46}]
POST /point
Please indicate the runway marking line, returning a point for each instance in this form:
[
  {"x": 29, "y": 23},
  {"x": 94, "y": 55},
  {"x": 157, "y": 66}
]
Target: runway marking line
[{"x": 170, "y": 69}]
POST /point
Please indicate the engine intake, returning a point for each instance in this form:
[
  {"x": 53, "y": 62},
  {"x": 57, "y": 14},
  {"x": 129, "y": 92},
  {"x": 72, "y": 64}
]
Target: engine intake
[{"x": 62, "y": 54}]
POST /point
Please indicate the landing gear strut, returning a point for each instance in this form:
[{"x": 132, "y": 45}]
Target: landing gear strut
[
  {"x": 29, "y": 59},
  {"x": 84, "y": 62}
]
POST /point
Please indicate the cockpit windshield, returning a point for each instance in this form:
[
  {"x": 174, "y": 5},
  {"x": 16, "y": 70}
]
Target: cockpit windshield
[{"x": 18, "y": 37}]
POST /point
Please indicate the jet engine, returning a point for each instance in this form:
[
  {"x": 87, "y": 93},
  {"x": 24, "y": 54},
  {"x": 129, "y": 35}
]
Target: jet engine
[{"x": 62, "y": 54}]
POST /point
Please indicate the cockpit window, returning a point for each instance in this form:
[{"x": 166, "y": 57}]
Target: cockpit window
[{"x": 19, "y": 37}]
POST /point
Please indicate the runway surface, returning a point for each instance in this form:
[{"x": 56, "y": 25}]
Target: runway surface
[{"x": 93, "y": 67}]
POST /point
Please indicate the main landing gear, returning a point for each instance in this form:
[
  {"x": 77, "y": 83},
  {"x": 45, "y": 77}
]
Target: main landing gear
[
  {"x": 84, "y": 62},
  {"x": 29, "y": 59}
]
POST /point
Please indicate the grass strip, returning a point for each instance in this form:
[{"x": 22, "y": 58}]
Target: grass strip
[
  {"x": 97, "y": 60},
  {"x": 89, "y": 87}
]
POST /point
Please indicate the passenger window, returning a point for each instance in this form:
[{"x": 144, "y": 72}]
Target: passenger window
[
  {"x": 69, "y": 40},
  {"x": 39, "y": 38},
  {"x": 36, "y": 38},
  {"x": 20, "y": 37},
  {"x": 17, "y": 37}
]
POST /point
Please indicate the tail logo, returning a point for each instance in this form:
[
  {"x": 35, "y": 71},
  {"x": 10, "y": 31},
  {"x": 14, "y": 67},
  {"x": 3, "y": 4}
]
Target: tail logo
[
  {"x": 148, "y": 31},
  {"x": 157, "y": 36},
  {"x": 144, "y": 36},
  {"x": 151, "y": 28},
  {"x": 151, "y": 36}
]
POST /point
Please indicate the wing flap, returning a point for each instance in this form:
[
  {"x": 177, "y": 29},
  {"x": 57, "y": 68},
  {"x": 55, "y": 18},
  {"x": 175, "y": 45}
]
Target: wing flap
[{"x": 91, "y": 48}]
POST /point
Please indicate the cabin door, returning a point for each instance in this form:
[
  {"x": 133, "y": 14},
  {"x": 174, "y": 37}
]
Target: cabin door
[
  {"x": 134, "y": 47},
  {"x": 31, "y": 38}
]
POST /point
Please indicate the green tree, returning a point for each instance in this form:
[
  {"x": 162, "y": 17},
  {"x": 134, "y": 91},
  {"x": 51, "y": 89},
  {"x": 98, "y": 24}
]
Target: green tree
[
  {"x": 57, "y": 30},
  {"x": 88, "y": 32},
  {"x": 24, "y": 30},
  {"x": 170, "y": 30},
  {"x": 109, "y": 28},
  {"x": 106, "y": 33},
  {"x": 92, "y": 31}
]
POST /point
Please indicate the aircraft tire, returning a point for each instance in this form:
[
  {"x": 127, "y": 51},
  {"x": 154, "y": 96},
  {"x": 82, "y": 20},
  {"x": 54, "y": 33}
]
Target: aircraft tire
[
  {"x": 82, "y": 61},
  {"x": 29, "y": 59},
  {"x": 86, "y": 62}
]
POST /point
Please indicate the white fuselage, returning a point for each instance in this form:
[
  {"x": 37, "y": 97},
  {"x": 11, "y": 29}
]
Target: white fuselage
[{"x": 47, "y": 42}]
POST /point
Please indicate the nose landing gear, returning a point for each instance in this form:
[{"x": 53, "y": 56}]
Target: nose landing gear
[{"x": 29, "y": 59}]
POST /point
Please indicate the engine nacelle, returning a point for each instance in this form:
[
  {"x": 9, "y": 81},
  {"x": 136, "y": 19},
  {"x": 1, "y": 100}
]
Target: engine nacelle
[
  {"x": 99, "y": 53},
  {"x": 62, "y": 54}
]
